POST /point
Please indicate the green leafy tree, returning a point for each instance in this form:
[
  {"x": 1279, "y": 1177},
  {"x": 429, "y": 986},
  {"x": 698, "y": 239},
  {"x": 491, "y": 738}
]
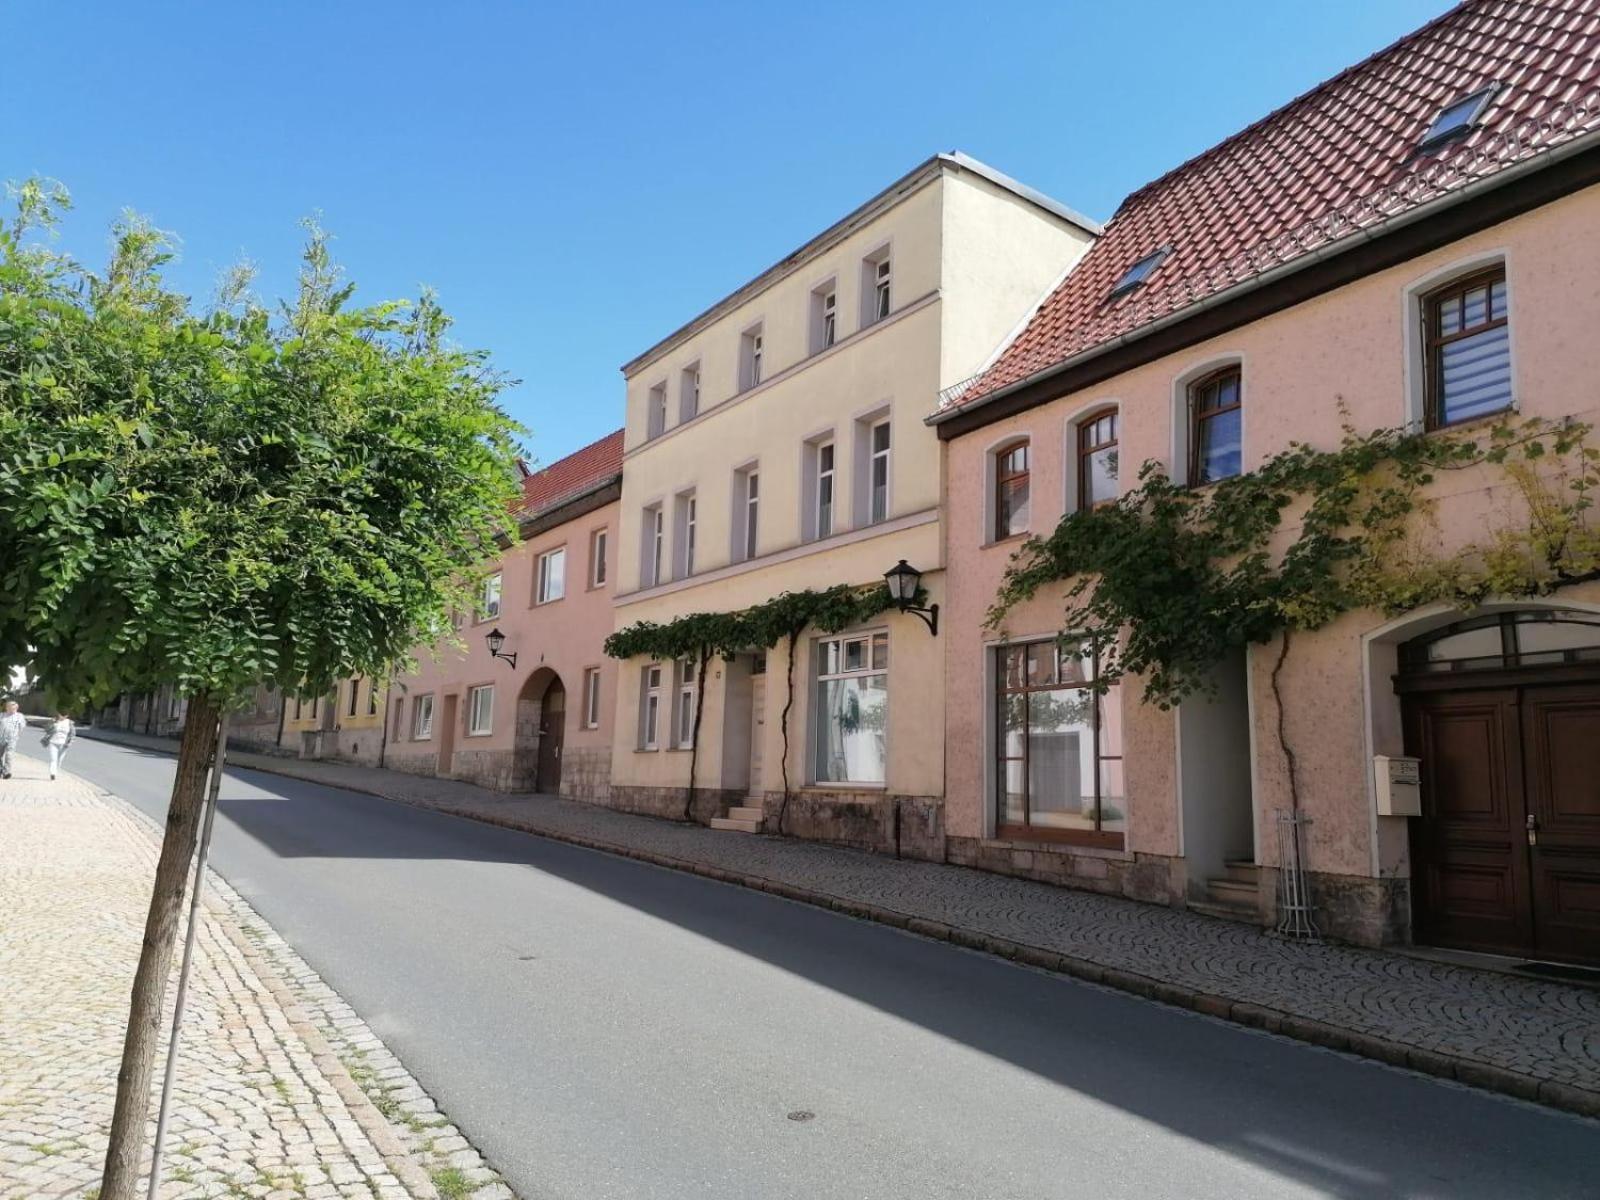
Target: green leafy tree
[{"x": 220, "y": 499}]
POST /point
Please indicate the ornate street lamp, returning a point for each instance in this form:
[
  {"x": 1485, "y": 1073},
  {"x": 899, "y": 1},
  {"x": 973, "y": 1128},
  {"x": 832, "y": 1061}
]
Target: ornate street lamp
[
  {"x": 904, "y": 581},
  {"x": 496, "y": 639}
]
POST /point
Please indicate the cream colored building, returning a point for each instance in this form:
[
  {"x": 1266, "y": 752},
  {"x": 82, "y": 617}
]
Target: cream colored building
[{"x": 776, "y": 443}]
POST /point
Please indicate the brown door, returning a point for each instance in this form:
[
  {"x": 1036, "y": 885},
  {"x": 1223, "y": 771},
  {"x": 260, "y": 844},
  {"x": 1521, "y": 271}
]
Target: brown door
[
  {"x": 1506, "y": 855},
  {"x": 447, "y": 738},
  {"x": 552, "y": 727},
  {"x": 1561, "y": 728}
]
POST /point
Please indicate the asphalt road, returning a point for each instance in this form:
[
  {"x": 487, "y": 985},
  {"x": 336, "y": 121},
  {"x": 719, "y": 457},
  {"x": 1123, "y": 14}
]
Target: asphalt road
[{"x": 604, "y": 1028}]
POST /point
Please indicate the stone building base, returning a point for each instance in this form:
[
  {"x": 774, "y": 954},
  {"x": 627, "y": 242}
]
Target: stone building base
[
  {"x": 1154, "y": 878},
  {"x": 905, "y": 826},
  {"x": 586, "y": 774},
  {"x": 669, "y": 801}
]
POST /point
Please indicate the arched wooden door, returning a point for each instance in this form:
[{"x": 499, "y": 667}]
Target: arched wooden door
[
  {"x": 552, "y": 730},
  {"x": 1504, "y": 712}
]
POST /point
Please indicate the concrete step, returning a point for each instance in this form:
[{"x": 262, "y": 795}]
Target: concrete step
[
  {"x": 742, "y": 812},
  {"x": 1227, "y": 912},
  {"x": 736, "y": 823},
  {"x": 1243, "y": 870},
  {"x": 1232, "y": 891}
]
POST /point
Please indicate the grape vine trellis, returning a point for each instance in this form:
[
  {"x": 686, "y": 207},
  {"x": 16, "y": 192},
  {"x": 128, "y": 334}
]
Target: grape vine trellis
[
  {"x": 1171, "y": 579},
  {"x": 699, "y": 637}
]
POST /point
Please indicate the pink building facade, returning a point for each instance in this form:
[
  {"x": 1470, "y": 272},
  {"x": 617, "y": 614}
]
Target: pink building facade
[
  {"x": 1283, "y": 303},
  {"x": 537, "y": 716}
]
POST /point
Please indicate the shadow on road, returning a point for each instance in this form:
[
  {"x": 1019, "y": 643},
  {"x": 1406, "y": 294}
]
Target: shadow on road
[{"x": 1324, "y": 1120}]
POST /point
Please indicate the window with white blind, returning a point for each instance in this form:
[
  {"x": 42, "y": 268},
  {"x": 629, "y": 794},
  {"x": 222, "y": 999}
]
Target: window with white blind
[{"x": 1467, "y": 349}]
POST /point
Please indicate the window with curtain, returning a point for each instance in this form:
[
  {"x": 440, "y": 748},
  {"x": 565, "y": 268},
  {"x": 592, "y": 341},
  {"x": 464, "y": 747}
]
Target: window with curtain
[{"x": 852, "y": 709}]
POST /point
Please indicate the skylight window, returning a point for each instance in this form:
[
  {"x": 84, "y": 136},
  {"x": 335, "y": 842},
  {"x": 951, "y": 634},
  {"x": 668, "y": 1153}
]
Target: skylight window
[
  {"x": 1456, "y": 118},
  {"x": 1139, "y": 272}
]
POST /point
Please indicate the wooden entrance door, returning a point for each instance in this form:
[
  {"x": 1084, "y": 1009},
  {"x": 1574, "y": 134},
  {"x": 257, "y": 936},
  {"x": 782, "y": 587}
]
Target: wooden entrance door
[
  {"x": 552, "y": 728},
  {"x": 1506, "y": 856}
]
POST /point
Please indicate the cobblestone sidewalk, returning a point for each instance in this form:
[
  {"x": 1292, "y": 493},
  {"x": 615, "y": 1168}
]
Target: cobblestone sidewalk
[
  {"x": 1536, "y": 1039},
  {"x": 282, "y": 1092}
]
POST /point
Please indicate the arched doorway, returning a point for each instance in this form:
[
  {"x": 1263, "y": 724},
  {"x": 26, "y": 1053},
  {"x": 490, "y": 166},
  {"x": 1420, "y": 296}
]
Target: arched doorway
[
  {"x": 1503, "y": 709},
  {"x": 541, "y": 729}
]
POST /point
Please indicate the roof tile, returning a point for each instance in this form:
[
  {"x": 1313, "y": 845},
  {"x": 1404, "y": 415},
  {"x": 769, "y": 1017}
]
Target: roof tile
[
  {"x": 571, "y": 476},
  {"x": 1341, "y": 158}
]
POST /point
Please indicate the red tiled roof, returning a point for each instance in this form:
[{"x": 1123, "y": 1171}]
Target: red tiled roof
[
  {"x": 571, "y": 476},
  {"x": 1340, "y": 159}
]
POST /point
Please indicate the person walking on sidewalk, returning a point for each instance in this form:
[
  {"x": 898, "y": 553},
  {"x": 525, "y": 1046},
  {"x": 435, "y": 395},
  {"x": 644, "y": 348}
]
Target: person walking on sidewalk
[
  {"x": 12, "y": 723},
  {"x": 58, "y": 736}
]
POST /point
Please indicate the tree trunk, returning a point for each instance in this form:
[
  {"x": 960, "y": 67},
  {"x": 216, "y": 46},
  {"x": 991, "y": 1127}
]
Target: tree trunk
[
  {"x": 121, "y": 1178},
  {"x": 694, "y": 737},
  {"x": 788, "y": 703}
]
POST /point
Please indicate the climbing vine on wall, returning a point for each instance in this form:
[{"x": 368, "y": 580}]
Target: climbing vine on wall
[
  {"x": 1188, "y": 574},
  {"x": 781, "y": 620},
  {"x": 1172, "y": 579}
]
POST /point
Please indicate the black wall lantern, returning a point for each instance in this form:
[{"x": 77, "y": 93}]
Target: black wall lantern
[
  {"x": 904, "y": 581},
  {"x": 496, "y": 639}
]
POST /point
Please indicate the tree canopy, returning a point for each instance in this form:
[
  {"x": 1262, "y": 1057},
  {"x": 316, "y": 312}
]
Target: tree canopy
[{"x": 237, "y": 495}]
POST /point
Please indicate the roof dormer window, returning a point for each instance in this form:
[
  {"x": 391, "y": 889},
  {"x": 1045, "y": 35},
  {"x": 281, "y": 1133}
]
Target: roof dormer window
[
  {"x": 1456, "y": 119},
  {"x": 1139, "y": 272}
]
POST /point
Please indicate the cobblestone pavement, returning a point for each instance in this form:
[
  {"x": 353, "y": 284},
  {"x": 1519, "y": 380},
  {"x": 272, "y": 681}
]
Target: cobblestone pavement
[
  {"x": 1532, "y": 1038},
  {"x": 282, "y": 1092}
]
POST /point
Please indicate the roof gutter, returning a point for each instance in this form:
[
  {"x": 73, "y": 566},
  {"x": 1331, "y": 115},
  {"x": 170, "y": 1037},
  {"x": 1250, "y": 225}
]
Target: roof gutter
[{"x": 1411, "y": 216}]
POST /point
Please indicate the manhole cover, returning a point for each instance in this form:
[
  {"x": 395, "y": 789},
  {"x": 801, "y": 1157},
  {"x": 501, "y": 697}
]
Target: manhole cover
[{"x": 801, "y": 1114}]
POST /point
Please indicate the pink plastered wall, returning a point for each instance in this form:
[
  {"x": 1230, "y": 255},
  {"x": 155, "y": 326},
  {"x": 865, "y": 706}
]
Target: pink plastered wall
[
  {"x": 564, "y": 636},
  {"x": 1344, "y": 357}
]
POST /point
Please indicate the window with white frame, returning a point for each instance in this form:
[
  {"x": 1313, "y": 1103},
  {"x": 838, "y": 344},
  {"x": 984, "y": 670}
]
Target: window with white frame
[
  {"x": 683, "y": 706},
  {"x": 654, "y": 545},
  {"x": 746, "y": 513},
  {"x": 686, "y": 522},
  {"x": 876, "y": 287},
  {"x": 480, "y": 710},
  {"x": 552, "y": 581},
  {"x": 823, "y": 493},
  {"x": 751, "y": 348},
  {"x": 591, "y": 698},
  {"x": 851, "y": 709},
  {"x": 824, "y": 317},
  {"x": 597, "y": 558},
  {"x": 878, "y": 473},
  {"x": 689, "y": 392},
  {"x": 657, "y": 411},
  {"x": 650, "y": 708},
  {"x": 489, "y": 598},
  {"x": 422, "y": 718}
]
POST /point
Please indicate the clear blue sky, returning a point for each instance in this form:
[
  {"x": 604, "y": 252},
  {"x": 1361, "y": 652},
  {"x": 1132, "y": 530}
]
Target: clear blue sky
[{"x": 579, "y": 179}]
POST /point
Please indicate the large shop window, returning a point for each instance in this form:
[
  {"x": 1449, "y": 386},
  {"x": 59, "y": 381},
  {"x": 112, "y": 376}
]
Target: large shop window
[
  {"x": 852, "y": 709},
  {"x": 1058, "y": 745}
]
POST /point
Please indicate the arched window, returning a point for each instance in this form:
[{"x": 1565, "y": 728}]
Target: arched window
[
  {"x": 1216, "y": 427},
  {"x": 1467, "y": 348},
  {"x": 1097, "y": 459},
  {"x": 1540, "y": 637},
  {"x": 1011, "y": 490}
]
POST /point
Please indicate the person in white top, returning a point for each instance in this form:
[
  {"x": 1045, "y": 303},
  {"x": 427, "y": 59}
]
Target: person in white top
[
  {"x": 12, "y": 723},
  {"x": 58, "y": 736}
]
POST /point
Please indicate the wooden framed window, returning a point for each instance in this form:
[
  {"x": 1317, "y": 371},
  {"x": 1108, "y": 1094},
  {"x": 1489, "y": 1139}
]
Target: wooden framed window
[
  {"x": 1097, "y": 459},
  {"x": 1058, "y": 746},
  {"x": 1011, "y": 490},
  {"x": 1467, "y": 349},
  {"x": 1216, "y": 427}
]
